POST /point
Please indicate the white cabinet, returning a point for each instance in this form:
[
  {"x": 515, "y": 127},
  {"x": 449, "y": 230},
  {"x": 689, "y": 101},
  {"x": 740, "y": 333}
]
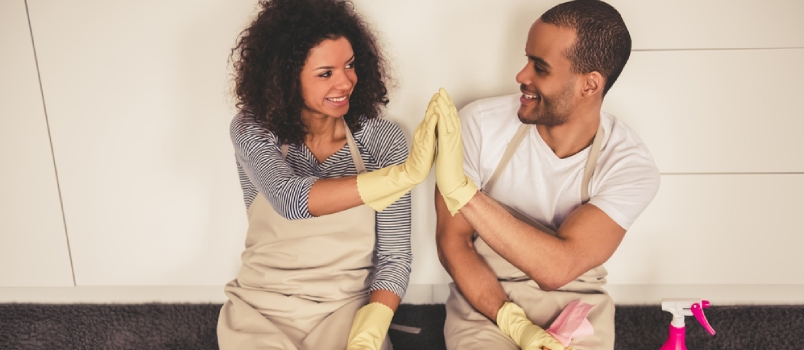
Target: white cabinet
[
  {"x": 715, "y": 111},
  {"x": 139, "y": 107},
  {"x": 715, "y": 230},
  {"x": 33, "y": 244}
]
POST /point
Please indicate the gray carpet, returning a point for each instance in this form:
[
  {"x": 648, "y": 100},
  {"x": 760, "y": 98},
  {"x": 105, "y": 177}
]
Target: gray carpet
[{"x": 192, "y": 326}]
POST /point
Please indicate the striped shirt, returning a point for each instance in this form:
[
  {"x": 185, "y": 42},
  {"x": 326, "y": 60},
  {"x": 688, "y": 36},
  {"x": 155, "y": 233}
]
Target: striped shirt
[{"x": 286, "y": 184}]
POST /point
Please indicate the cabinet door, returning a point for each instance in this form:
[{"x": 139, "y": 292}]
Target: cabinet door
[
  {"x": 715, "y": 111},
  {"x": 33, "y": 244},
  {"x": 139, "y": 106},
  {"x": 714, "y": 230},
  {"x": 713, "y": 24}
]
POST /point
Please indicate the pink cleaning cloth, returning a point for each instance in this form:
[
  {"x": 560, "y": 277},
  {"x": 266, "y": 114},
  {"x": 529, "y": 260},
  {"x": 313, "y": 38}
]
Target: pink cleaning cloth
[{"x": 572, "y": 323}]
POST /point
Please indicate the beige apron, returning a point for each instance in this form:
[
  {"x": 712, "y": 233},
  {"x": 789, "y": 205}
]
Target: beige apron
[
  {"x": 302, "y": 281},
  {"x": 466, "y": 328}
]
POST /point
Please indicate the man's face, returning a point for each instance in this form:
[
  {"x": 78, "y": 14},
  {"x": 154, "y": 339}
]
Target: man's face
[{"x": 547, "y": 82}]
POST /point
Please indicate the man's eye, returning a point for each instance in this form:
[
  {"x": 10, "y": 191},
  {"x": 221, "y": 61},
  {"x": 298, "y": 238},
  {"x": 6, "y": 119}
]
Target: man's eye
[{"x": 326, "y": 74}]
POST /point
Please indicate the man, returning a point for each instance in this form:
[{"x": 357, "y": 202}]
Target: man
[{"x": 561, "y": 183}]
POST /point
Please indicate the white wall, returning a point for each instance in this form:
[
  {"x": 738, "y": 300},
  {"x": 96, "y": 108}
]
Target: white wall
[{"x": 138, "y": 108}]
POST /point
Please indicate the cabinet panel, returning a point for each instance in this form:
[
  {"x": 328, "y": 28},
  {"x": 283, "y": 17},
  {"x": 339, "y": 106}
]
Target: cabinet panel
[
  {"x": 716, "y": 229},
  {"x": 715, "y": 111},
  {"x": 139, "y": 105},
  {"x": 33, "y": 245}
]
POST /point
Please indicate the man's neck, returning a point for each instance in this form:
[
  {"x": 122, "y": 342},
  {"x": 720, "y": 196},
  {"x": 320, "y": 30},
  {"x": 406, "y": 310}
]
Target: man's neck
[{"x": 574, "y": 135}]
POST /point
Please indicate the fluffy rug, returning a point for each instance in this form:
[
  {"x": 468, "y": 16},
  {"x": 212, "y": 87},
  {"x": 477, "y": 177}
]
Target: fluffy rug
[{"x": 192, "y": 326}]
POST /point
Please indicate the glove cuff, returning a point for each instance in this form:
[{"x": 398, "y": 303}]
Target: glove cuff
[
  {"x": 370, "y": 326},
  {"x": 456, "y": 199},
  {"x": 504, "y": 318},
  {"x": 380, "y": 188},
  {"x": 511, "y": 319}
]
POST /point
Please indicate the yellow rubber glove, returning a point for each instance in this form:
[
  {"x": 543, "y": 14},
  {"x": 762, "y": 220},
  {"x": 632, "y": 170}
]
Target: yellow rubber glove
[
  {"x": 512, "y": 321},
  {"x": 370, "y": 327},
  {"x": 456, "y": 188},
  {"x": 381, "y": 188}
]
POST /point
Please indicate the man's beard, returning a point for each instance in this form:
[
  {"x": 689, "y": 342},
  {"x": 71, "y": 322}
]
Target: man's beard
[{"x": 551, "y": 111}]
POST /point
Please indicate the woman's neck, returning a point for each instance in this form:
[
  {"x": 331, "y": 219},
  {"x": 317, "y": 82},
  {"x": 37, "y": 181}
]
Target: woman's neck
[{"x": 325, "y": 135}]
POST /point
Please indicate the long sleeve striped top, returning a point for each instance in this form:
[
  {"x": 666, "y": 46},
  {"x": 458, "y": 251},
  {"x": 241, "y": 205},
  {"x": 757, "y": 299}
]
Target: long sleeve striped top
[{"x": 286, "y": 184}]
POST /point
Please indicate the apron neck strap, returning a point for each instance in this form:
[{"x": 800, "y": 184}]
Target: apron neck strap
[
  {"x": 507, "y": 155},
  {"x": 522, "y": 131},
  {"x": 594, "y": 153},
  {"x": 356, "y": 158}
]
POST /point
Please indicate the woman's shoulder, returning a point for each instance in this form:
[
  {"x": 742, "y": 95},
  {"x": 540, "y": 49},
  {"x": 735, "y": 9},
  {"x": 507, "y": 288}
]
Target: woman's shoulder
[
  {"x": 245, "y": 128},
  {"x": 384, "y": 139},
  {"x": 381, "y": 128}
]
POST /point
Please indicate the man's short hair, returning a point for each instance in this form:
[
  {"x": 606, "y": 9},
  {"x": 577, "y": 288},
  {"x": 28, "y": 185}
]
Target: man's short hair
[{"x": 603, "y": 43}]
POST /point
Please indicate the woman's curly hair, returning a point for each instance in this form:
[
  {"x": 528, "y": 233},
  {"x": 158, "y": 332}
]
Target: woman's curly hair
[{"x": 271, "y": 52}]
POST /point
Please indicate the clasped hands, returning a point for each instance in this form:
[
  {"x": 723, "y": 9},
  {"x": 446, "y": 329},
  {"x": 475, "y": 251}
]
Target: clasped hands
[
  {"x": 456, "y": 188},
  {"x": 379, "y": 189}
]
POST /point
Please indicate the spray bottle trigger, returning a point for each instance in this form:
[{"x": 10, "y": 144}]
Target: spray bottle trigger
[{"x": 697, "y": 311}]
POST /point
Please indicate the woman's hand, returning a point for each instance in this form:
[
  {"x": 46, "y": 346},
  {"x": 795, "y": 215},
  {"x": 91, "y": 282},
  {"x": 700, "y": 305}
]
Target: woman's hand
[
  {"x": 370, "y": 327},
  {"x": 379, "y": 189}
]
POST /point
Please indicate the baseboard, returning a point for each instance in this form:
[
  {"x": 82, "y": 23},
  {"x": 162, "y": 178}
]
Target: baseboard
[{"x": 416, "y": 294}]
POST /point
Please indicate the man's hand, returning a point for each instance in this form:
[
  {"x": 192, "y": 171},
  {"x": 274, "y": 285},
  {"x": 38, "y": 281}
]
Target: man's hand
[
  {"x": 512, "y": 321},
  {"x": 454, "y": 185}
]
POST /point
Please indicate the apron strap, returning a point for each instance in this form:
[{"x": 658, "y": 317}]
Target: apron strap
[
  {"x": 350, "y": 141},
  {"x": 507, "y": 155},
  {"x": 356, "y": 158},
  {"x": 594, "y": 153}
]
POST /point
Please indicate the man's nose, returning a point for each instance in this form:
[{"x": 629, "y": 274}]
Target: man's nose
[{"x": 524, "y": 75}]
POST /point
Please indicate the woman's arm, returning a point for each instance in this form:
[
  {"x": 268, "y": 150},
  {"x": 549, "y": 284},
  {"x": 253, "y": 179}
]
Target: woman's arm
[
  {"x": 258, "y": 155},
  {"x": 296, "y": 197}
]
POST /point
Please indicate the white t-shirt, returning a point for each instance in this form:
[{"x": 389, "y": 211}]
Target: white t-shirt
[{"x": 545, "y": 187}]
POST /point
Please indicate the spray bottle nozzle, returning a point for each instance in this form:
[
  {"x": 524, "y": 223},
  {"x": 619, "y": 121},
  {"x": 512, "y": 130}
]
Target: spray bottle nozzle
[
  {"x": 697, "y": 310},
  {"x": 687, "y": 307},
  {"x": 681, "y": 308}
]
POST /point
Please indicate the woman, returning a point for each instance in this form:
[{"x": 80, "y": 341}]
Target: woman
[{"x": 311, "y": 151}]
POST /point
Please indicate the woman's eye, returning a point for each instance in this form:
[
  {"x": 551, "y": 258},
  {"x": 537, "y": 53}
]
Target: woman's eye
[
  {"x": 350, "y": 65},
  {"x": 326, "y": 74}
]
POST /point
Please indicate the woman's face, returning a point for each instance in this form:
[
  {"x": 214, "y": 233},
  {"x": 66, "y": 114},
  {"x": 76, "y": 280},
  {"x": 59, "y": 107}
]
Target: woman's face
[{"x": 328, "y": 79}]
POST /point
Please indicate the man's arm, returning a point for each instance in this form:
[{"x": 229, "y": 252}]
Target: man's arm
[
  {"x": 456, "y": 251},
  {"x": 586, "y": 239}
]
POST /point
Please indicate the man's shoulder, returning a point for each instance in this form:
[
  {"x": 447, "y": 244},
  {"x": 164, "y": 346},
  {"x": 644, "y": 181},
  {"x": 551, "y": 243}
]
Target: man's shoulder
[
  {"x": 492, "y": 105},
  {"x": 625, "y": 157},
  {"x": 492, "y": 112},
  {"x": 623, "y": 138}
]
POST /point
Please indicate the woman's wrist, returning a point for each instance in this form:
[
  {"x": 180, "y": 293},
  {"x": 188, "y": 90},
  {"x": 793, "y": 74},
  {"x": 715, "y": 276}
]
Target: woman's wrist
[{"x": 385, "y": 297}]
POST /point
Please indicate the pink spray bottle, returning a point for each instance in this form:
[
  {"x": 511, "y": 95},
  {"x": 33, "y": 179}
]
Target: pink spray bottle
[{"x": 681, "y": 308}]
